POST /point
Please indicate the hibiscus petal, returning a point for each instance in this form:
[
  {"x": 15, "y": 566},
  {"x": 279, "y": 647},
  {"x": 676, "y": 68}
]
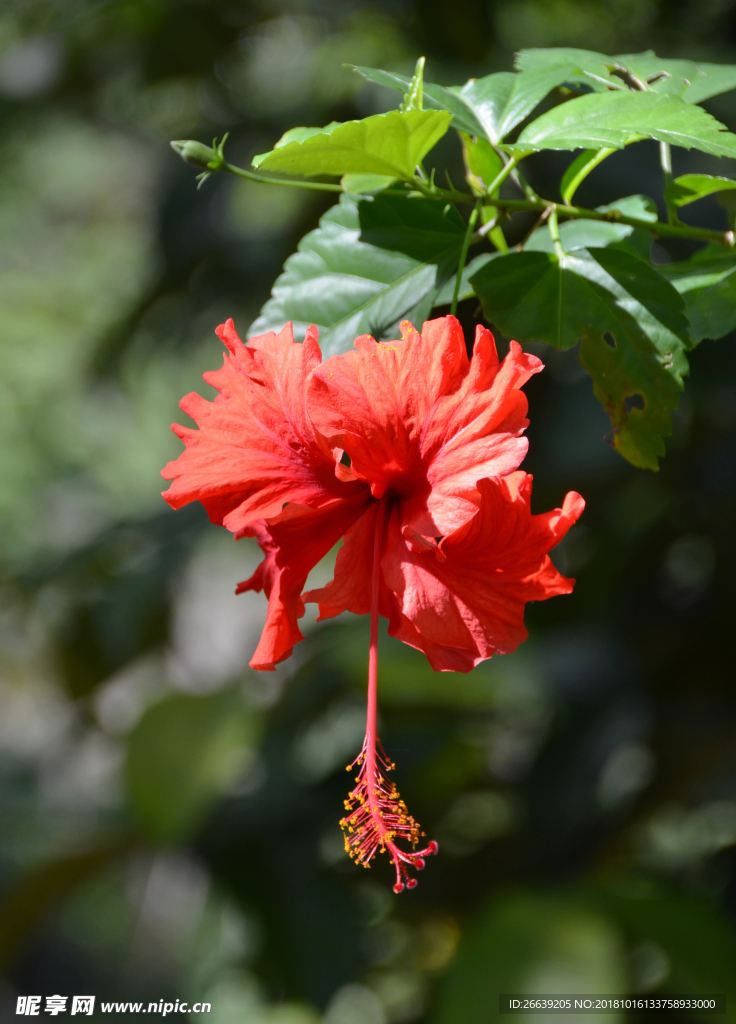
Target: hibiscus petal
[
  {"x": 350, "y": 590},
  {"x": 256, "y": 448},
  {"x": 377, "y": 399},
  {"x": 441, "y": 655},
  {"x": 293, "y": 543},
  {"x": 470, "y": 606},
  {"x": 419, "y": 419},
  {"x": 476, "y": 432}
]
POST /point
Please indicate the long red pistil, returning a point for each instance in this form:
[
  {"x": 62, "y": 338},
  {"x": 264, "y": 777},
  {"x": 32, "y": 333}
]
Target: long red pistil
[{"x": 377, "y": 814}]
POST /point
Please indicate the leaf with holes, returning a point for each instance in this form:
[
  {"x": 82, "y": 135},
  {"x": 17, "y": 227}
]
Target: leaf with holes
[
  {"x": 390, "y": 144},
  {"x": 614, "y": 119},
  {"x": 369, "y": 265},
  {"x": 488, "y": 107},
  {"x": 630, "y": 321}
]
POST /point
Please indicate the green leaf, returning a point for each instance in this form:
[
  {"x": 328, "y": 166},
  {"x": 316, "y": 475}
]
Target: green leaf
[
  {"x": 301, "y": 134},
  {"x": 498, "y": 238},
  {"x": 501, "y": 101},
  {"x": 713, "y": 313},
  {"x": 181, "y": 757},
  {"x": 581, "y": 161},
  {"x": 365, "y": 184},
  {"x": 707, "y": 282},
  {"x": 613, "y": 119},
  {"x": 584, "y": 66},
  {"x": 628, "y": 317},
  {"x": 435, "y": 97},
  {"x": 727, "y": 200},
  {"x": 582, "y": 234},
  {"x": 445, "y": 294},
  {"x": 578, "y": 234},
  {"x": 579, "y": 170},
  {"x": 689, "y": 187},
  {"x": 488, "y": 107},
  {"x": 531, "y": 943},
  {"x": 639, "y": 206},
  {"x": 482, "y": 162},
  {"x": 691, "y": 81},
  {"x": 706, "y": 267},
  {"x": 369, "y": 265},
  {"x": 390, "y": 144}
]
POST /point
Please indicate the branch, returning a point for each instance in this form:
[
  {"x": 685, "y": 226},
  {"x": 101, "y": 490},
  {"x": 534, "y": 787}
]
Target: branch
[
  {"x": 655, "y": 228},
  {"x": 213, "y": 160},
  {"x": 319, "y": 186}
]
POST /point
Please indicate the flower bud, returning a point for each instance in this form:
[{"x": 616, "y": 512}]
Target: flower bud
[{"x": 194, "y": 152}]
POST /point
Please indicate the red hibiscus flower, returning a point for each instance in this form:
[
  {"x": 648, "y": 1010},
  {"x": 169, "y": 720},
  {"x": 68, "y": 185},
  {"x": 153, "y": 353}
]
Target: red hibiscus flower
[{"x": 409, "y": 451}]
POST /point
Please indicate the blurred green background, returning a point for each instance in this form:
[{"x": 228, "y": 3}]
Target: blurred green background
[{"x": 169, "y": 818}]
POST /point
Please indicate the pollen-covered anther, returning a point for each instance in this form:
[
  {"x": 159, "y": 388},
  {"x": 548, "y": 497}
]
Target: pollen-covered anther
[{"x": 378, "y": 816}]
